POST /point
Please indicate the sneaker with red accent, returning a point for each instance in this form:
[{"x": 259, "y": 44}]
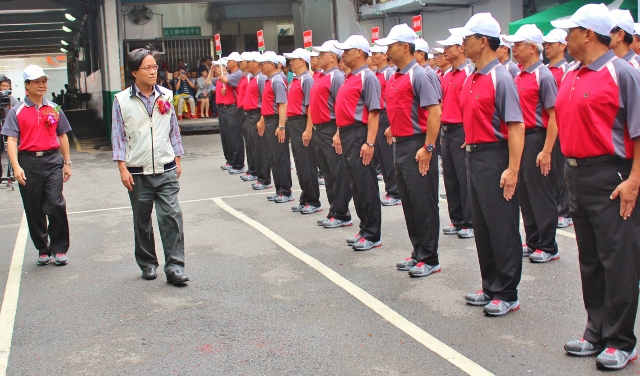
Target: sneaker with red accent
[
  {"x": 422, "y": 270},
  {"x": 365, "y": 245},
  {"x": 499, "y": 307},
  {"x": 477, "y": 299},
  {"x": 451, "y": 230},
  {"x": 564, "y": 222},
  {"x": 540, "y": 256},
  {"x": 406, "y": 264},
  {"x": 335, "y": 223},
  {"x": 526, "y": 251},
  {"x": 355, "y": 239},
  {"x": 612, "y": 358},
  {"x": 580, "y": 347},
  {"x": 44, "y": 260},
  {"x": 61, "y": 259},
  {"x": 390, "y": 201}
]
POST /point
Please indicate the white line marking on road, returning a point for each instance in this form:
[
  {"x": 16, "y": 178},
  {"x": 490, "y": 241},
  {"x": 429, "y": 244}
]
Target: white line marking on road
[
  {"x": 11, "y": 293},
  {"x": 426, "y": 339}
]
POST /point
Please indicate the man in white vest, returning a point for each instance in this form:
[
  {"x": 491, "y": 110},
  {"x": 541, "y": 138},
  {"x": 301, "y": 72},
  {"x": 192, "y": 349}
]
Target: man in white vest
[{"x": 147, "y": 146}]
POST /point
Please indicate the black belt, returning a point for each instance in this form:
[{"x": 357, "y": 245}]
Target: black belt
[
  {"x": 419, "y": 136},
  {"x": 472, "y": 148},
  {"x": 252, "y": 111},
  {"x": 317, "y": 127},
  {"x": 534, "y": 130},
  {"x": 352, "y": 127},
  {"x": 38, "y": 153},
  {"x": 140, "y": 170},
  {"x": 574, "y": 162},
  {"x": 296, "y": 117},
  {"x": 449, "y": 127},
  {"x": 228, "y": 105}
]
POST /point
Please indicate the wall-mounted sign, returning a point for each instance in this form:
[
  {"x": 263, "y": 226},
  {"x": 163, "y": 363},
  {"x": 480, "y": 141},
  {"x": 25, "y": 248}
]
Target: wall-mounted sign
[
  {"x": 417, "y": 24},
  {"x": 216, "y": 39},
  {"x": 179, "y": 32},
  {"x": 307, "y": 38},
  {"x": 375, "y": 34},
  {"x": 260, "y": 35}
]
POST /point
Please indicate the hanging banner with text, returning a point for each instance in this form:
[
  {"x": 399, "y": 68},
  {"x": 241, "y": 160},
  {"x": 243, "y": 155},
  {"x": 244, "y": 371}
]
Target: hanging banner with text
[
  {"x": 216, "y": 39},
  {"x": 417, "y": 24},
  {"x": 375, "y": 34},
  {"x": 179, "y": 32},
  {"x": 307, "y": 39},
  {"x": 260, "y": 35}
]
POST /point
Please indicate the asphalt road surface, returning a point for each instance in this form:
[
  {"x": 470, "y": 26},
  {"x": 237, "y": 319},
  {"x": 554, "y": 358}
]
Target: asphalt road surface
[{"x": 270, "y": 293}]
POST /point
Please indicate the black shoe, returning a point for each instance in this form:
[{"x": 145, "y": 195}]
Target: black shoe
[
  {"x": 149, "y": 274},
  {"x": 177, "y": 278}
]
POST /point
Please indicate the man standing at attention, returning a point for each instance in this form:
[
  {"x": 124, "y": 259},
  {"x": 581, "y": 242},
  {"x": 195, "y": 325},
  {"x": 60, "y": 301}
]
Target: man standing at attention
[
  {"x": 414, "y": 111},
  {"x": 494, "y": 133},
  {"x": 144, "y": 121},
  {"x": 38, "y": 149},
  {"x": 357, "y": 115}
]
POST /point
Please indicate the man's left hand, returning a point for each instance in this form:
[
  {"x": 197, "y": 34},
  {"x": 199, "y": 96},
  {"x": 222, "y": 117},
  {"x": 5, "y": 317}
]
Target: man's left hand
[
  {"x": 66, "y": 173},
  {"x": 508, "y": 182},
  {"x": 366, "y": 153},
  {"x": 280, "y": 133},
  {"x": 628, "y": 192},
  {"x": 423, "y": 157}
]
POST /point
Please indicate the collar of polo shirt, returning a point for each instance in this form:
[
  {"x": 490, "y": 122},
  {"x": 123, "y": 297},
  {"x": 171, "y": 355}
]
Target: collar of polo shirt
[
  {"x": 487, "y": 68},
  {"x": 534, "y": 66}
]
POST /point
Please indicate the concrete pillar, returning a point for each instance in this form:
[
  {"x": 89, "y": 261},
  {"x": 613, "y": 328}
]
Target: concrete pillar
[
  {"x": 270, "y": 29},
  {"x": 111, "y": 67}
]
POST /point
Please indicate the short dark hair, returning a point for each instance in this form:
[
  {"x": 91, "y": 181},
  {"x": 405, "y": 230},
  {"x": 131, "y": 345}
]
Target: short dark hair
[
  {"x": 494, "y": 42},
  {"x": 4, "y": 78},
  {"x": 628, "y": 38},
  {"x": 426, "y": 55},
  {"x": 606, "y": 40},
  {"x": 136, "y": 56},
  {"x": 412, "y": 48}
]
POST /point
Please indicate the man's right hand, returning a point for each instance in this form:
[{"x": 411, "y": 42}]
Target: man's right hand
[
  {"x": 127, "y": 179},
  {"x": 261, "y": 127},
  {"x": 18, "y": 173}
]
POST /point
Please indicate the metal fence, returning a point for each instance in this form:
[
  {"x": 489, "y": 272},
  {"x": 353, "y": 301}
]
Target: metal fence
[{"x": 190, "y": 50}]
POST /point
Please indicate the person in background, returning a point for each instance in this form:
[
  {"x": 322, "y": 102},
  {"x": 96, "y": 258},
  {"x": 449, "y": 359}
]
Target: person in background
[
  {"x": 635, "y": 46},
  {"x": 143, "y": 119},
  {"x": 183, "y": 86},
  {"x": 5, "y": 84},
  {"x": 41, "y": 163},
  {"x": 345, "y": 69},
  {"x": 504, "y": 56},
  {"x": 204, "y": 85},
  {"x": 622, "y": 37}
]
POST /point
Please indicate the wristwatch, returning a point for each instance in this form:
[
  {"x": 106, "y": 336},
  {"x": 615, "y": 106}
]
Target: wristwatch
[
  {"x": 67, "y": 163},
  {"x": 281, "y": 127},
  {"x": 368, "y": 144},
  {"x": 429, "y": 147}
]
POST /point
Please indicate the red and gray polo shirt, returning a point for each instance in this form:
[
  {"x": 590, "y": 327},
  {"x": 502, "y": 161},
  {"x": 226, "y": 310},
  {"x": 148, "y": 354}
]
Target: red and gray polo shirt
[
  {"x": 434, "y": 79},
  {"x": 253, "y": 92},
  {"x": 359, "y": 94},
  {"x": 598, "y": 109},
  {"x": 408, "y": 93},
  {"x": 219, "y": 86},
  {"x": 383, "y": 76},
  {"x": 273, "y": 94},
  {"x": 323, "y": 96},
  {"x": 512, "y": 68},
  {"x": 632, "y": 59},
  {"x": 316, "y": 75},
  {"x": 242, "y": 88},
  {"x": 537, "y": 90},
  {"x": 231, "y": 94},
  {"x": 451, "y": 87},
  {"x": 299, "y": 94},
  {"x": 489, "y": 100},
  {"x": 558, "y": 70},
  {"x": 28, "y": 123}
]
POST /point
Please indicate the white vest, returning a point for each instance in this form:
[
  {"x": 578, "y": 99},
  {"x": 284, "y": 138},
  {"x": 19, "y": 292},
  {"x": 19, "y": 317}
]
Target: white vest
[{"x": 147, "y": 137}]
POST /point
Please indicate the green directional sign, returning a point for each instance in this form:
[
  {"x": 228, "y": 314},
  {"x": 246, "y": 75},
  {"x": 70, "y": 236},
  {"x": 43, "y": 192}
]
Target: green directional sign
[{"x": 179, "y": 32}]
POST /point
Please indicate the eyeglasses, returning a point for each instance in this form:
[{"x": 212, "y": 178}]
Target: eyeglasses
[
  {"x": 150, "y": 67},
  {"x": 477, "y": 36}
]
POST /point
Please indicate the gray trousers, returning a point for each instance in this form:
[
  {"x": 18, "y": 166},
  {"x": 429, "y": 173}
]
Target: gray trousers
[{"x": 161, "y": 189}]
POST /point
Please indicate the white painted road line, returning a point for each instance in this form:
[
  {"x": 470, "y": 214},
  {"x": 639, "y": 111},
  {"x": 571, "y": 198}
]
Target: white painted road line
[
  {"x": 11, "y": 292},
  {"x": 426, "y": 339}
]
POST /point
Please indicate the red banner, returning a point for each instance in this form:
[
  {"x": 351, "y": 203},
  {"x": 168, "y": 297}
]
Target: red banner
[
  {"x": 216, "y": 39},
  {"x": 260, "y": 35},
  {"x": 417, "y": 24},
  {"x": 375, "y": 34},
  {"x": 307, "y": 38}
]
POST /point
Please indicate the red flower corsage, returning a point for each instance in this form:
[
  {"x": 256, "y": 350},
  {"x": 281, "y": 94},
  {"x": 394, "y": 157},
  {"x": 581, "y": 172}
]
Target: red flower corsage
[
  {"x": 164, "y": 107},
  {"x": 52, "y": 117}
]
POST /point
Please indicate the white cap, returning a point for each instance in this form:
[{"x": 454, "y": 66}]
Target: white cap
[
  {"x": 623, "y": 19},
  {"x": 234, "y": 56},
  {"x": 480, "y": 23},
  {"x": 556, "y": 36},
  {"x": 376, "y": 48},
  {"x": 282, "y": 60},
  {"x": 398, "y": 33},
  {"x": 329, "y": 46},
  {"x": 299, "y": 53},
  {"x": 437, "y": 50},
  {"x": 430, "y": 56},
  {"x": 422, "y": 45},
  {"x": 590, "y": 16},
  {"x": 268, "y": 56},
  {"x": 636, "y": 27},
  {"x": 528, "y": 32},
  {"x": 221, "y": 61},
  {"x": 33, "y": 72},
  {"x": 246, "y": 56},
  {"x": 451, "y": 41},
  {"x": 313, "y": 53},
  {"x": 354, "y": 41},
  {"x": 503, "y": 43}
]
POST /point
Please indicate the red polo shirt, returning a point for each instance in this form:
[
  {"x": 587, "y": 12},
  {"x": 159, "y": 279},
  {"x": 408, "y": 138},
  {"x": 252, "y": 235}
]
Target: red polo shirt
[
  {"x": 489, "y": 100},
  {"x": 383, "y": 76},
  {"x": 409, "y": 91},
  {"x": 231, "y": 94},
  {"x": 242, "y": 88},
  {"x": 598, "y": 109},
  {"x": 274, "y": 93},
  {"x": 632, "y": 59},
  {"x": 537, "y": 90},
  {"x": 28, "y": 123},
  {"x": 316, "y": 75},
  {"x": 451, "y": 87},
  {"x": 558, "y": 70},
  {"x": 219, "y": 87},
  {"x": 299, "y": 94},
  {"x": 359, "y": 94},
  {"x": 253, "y": 93},
  {"x": 323, "y": 96}
]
